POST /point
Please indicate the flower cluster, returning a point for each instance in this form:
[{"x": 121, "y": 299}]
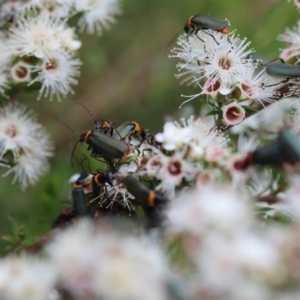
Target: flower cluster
[
  {"x": 186, "y": 152},
  {"x": 222, "y": 246},
  {"x": 187, "y": 213},
  {"x": 229, "y": 79},
  {"x": 89, "y": 261},
  {"x": 39, "y": 49}
]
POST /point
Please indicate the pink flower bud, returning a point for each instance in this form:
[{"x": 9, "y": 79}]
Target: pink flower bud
[
  {"x": 211, "y": 86},
  {"x": 233, "y": 113},
  {"x": 21, "y": 72}
]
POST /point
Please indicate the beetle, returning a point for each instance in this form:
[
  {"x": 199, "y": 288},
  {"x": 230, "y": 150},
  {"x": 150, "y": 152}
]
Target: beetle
[
  {"x": 142, "y": 194},
  {"x": 150, "y": 201},
  {"x": 104, "y": 145},
  {"x": 289, "y": 71},
  {"x": 101, "y": 144},
  {"x": 99, "y": 181},
  {"x": 101, "y": 125},
  {"x": 285, "y": 149},
  {"x": 103, "y": 177},
  {"x": 79, "y": 198},
  {"x": 80, "y": 204},
  {"x": 130, "y": 129},
  {"x": 200, "y": 22}
]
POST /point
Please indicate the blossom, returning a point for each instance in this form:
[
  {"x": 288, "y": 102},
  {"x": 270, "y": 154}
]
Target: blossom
[
  {"x": 56, "y": 76},
  {"x": 222, "y": 61},
  {"x": 50, "y": 8},
  {"x": 193, "y": 134},
  {"x": 97, "y": 14},
  {"x": 17, "y": 128},
  {"x": 9, "y": 7},
  {"x": 292, "y": 39},
  {"x": 171, "y": 170},
  {"x": 27, "y": 140},
  {"x": 39, "y": 36},
  {"x": 25, "y": 271},
  {"x": 244, "y": 259},
  {"x": 33, "y": 163},
  {"x": 97, "y": 261},
  {"x": 254, "y": 86},
  {"x": 204, "y": 138},
  {"x": 264, "y": 188},
  {"x": 174, "y": 136},
  {"x": 192, "y": 144},
  {"x": 228, "y": 60},
  {"x": 209, "y": 208}
]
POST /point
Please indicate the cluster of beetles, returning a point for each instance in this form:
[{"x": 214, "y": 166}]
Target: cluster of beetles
[{"x": 90, "y": 194}]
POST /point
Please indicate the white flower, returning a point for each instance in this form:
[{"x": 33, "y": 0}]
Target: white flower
[
  {"x": 207, "y": 208},
  {"x": 222, "y": 61},
  {"x": 263, "y": 187},
  {"x": 242, "y": 259},
  {"x": 98, "y": 262},
  {"x": 8, "y": 8},
  {"x": 28, "y": 142},
  {"x": 262, "y": 183},
  {"x": 191, "y": 51},
  {"x": 171, "y": 170},
  {"x": 68, "y": 41},
  {"x": 33, "y": 163},
  {"x": 205, "y": 140},
  {"x": 40, "y": 36},
  {"x": 228, "y": 60},
  {"x": 290, "y": 198},
  {"x": 53, "y": 8},
  {"x": 17, "y": 129},
  {"x": 56, "y": 77},
  {"x": 291, "y": 37},
  {"x": 126, "y": 168},
  {"x": 130, "y": 270},
  {"x": 253, "y": 86},
  {"x": 97, "y": 14},
  {"x": 26, "y": 278},
  {"x": 193, "y": 134},
  {"x": 174, "y": 136}
]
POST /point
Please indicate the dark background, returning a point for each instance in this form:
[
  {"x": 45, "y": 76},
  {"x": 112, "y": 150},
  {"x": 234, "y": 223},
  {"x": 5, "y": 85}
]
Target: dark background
[{"x": 127, "y": 75}]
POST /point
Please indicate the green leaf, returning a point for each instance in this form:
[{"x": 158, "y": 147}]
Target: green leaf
[{"x": 212, "y": 112}]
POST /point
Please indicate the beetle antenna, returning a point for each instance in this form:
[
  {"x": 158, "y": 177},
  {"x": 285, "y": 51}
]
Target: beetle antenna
[
  {"x": 83, "y": 160},
  {"x": 172, "y": 40},
  {"x": 68, "y": 126},
  {"x": 73, "y": 154},
  {"x": 87, "y": 110}
]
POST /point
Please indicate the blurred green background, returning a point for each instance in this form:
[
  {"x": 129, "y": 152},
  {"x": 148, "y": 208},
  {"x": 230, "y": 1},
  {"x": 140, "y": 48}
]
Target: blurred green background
[{"x": 127, "y": 75}]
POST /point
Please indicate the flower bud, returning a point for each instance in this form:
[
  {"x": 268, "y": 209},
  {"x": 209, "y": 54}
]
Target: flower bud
[{"x": 233, "y": 113}]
